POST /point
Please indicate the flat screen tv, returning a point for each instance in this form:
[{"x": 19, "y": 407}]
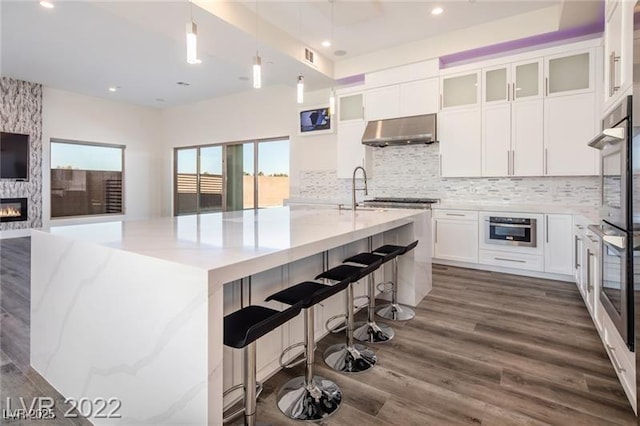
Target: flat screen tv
[
  {"x": 314, "y": 121},
  {"x": 14, "y": 156}
]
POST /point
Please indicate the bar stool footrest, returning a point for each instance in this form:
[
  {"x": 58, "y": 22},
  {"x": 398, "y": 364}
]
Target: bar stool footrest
[
  {"x": 385, "y": 287},
  {"x": 239, "y": 411},
  {"x": 336, "y": 329},
  {"x": 291, "y": 363}
]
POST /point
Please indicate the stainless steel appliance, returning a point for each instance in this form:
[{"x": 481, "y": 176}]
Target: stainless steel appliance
[
  {"x": 616, "y": 229},
  {"x": 419, "y": 129},
  {"x": 514, "y": 231},
  {"x": 401, "y": 203}
]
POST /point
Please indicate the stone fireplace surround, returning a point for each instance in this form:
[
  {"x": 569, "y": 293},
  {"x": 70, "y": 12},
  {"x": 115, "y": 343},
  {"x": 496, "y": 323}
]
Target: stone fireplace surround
[{"x": 21, "y": 112}]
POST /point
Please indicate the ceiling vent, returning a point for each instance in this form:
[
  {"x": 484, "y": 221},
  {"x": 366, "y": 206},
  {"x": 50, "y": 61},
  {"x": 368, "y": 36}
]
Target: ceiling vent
[{"x": 309, "y": 56}]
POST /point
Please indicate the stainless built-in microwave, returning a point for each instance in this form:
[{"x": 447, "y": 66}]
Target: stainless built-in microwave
[{"x": 514, "y": 231}]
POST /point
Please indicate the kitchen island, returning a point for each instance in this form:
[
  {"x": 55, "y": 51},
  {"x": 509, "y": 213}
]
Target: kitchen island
[{"x": 131, "y": 312}]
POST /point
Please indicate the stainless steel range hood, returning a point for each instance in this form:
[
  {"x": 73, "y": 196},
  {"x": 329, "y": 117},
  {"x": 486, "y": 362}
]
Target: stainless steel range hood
[{"x": 419, "y": 129}]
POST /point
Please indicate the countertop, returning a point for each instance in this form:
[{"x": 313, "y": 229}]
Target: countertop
[
  {"x": 249, "y": 238},
  {"x": 590, "y": 213}
]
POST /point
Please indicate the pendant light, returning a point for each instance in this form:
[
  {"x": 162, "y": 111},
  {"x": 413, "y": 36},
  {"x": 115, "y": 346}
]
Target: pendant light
[
  {"x": 300, "y": 89},
  {"x": 192, "y": 38},
  {"x": 257, "y": 60}
]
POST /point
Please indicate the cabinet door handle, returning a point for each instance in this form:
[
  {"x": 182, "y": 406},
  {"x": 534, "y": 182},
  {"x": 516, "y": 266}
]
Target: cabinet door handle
[
  {"x": 513, "y": 91},
  {"x": 508, "y": 162},
  {"x": 510, "y": 260},
  {"x": 513, "y": 162},
  {"x": 455, "y": 214},
  {"x": 546, "y": 225},
  {"x": 435, "y": 237},
  {"x": 616, "y": 364},
  {"x": 589, "y": 282},
  {"x": 546, "y": 161},
  {"x": 440, "y": 164},
  {"x": 546, "y": 86},
  {"x": 613, "y": 59},
  {"x": 576, "y": 265},
  {"x": 508, "y": 92}
]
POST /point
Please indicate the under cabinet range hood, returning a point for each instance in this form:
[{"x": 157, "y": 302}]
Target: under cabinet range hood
[{"x": 419, "y": 129}]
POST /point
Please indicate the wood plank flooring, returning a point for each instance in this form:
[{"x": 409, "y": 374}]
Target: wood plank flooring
[{"x": 484, "y": 348}]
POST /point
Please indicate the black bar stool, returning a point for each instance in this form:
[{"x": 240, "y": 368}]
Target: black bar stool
[
  {"x": 241, "y": 330},
  {"x": 349, "y": 357},
  {"x": 370, "y": 331},
  {"x": 394, "y": 311},
  {"x": 308, "y": 397}
]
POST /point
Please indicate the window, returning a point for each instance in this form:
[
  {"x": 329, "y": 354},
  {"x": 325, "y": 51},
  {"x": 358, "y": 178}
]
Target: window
[
  {"x": 223, "y": 177},
  {"x": 86, "y": 179}
]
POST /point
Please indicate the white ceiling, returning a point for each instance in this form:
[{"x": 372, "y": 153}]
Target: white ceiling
[{"x": 86, "y": 47}]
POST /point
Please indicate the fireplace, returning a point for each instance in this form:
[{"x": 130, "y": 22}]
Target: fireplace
[{"x": 13, "y": 209}]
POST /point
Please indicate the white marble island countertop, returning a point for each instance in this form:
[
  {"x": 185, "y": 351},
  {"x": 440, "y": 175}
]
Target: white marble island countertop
[{"x": 249, "y": 239}]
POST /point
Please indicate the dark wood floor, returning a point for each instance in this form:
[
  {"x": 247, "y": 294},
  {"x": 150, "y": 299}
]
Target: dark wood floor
[{"x": 484, "y": 348}]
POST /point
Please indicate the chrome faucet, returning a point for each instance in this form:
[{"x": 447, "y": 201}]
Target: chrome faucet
[{"x": 353, "y": 186}]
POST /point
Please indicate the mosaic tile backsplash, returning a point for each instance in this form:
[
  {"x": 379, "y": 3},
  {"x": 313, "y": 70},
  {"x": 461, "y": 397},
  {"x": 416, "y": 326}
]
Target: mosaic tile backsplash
[{"x": 413, "y": 171}]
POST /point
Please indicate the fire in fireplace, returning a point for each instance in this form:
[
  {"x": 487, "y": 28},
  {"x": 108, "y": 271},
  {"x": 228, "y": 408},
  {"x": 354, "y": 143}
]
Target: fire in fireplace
[{"x": 13, "y": 209}]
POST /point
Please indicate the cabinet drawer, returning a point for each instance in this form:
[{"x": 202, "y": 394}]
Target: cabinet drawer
[
  {"x": 622, "y": 359},
  {"x": 511, "y": 260},
  {"x": 455, "y": 214}
]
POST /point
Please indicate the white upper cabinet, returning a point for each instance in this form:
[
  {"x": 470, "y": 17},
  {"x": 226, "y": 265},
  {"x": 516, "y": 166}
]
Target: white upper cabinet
[
  {"x": 460, "y": 145},
  {"x": 419, "y": 97},
  {"x": 570, "y": 122},
  {"x": 496, "y": 84},
  {"x": 569, "y": 73},
  {"x": 527, "y": 80},
  {"x": 402, "y": 100},
  {"x": 496, "y": 139},
  {"x": 527, "y": 137},
  {"x": 618, "y": 50},
  {"x": 382, "y": 103},
  {"x": 351, "y": 107},
  {"x": 460, "y": 90}
]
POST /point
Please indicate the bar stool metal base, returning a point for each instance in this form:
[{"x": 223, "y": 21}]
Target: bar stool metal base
[
  {"x": 372, "y": 332},
  {"x": 354, "y": 359},
  {"x": 312, "y": 401},
  {"x": 396, "y": 312}
]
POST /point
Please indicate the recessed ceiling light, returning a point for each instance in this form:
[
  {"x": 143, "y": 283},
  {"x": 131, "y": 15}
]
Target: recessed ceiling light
[
  {"x": 183, "y": 83},
  {"x": 340, "y": 52},
  {"x": 326, "y": 43},
  {"x": 113, "y": 89},
  {"x": 47, "y": 4},
  {"x": 159, "y": 100},
  {"x": 437, "y": 11}
]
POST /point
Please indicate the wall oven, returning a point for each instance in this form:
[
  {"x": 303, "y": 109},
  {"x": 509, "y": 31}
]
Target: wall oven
[
  {"x": 616, "y": 228},
  {"x": 513, "y": 231}
]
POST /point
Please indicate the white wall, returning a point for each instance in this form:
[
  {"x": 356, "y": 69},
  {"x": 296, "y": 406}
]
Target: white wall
[
  {"x": 257, "y": 114},
  {"x": 71, "y": 116}
]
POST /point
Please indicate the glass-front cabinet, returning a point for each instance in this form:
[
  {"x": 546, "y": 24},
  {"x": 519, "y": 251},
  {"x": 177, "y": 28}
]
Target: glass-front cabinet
[
  {"x": 512, "y": 82},
  {"x": 351, "y": 107},
  {"x": 460, "y": 90},
  {"x": 569, "y": 73}
]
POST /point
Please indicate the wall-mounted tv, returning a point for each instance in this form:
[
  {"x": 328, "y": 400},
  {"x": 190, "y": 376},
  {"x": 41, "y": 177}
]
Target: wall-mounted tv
[
  {"x": 315, "y": 121},
  {"x": 14, "y": 156}
]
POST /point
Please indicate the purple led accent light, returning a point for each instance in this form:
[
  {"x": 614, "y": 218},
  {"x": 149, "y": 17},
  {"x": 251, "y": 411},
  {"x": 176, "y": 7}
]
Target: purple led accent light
[
  {"x": 523, "y": 43},
  {"x": 352, "y": 79}
]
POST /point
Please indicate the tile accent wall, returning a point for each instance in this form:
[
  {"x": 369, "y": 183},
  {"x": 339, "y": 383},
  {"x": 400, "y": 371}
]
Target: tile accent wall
[
  {"x": 413, "y": 171},
  {"x": 21, "y": 112}
]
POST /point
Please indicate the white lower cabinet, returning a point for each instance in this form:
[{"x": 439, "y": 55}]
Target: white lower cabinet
[
  {"x": 558, "y": 248},
  {"x": 455, "y": 235},
  {"x": 507, "y": 259}
]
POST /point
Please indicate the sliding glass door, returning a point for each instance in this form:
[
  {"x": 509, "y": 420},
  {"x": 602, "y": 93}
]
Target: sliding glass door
[{"x": 232, "y": 176}]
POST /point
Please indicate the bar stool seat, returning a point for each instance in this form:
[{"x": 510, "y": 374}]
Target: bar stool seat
[
  {"x": 395, "y": 311},
  {"x": 349, "y": 357},
  {"x": 308, "y": 397},
  {"x": 241, "y": 330}
]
